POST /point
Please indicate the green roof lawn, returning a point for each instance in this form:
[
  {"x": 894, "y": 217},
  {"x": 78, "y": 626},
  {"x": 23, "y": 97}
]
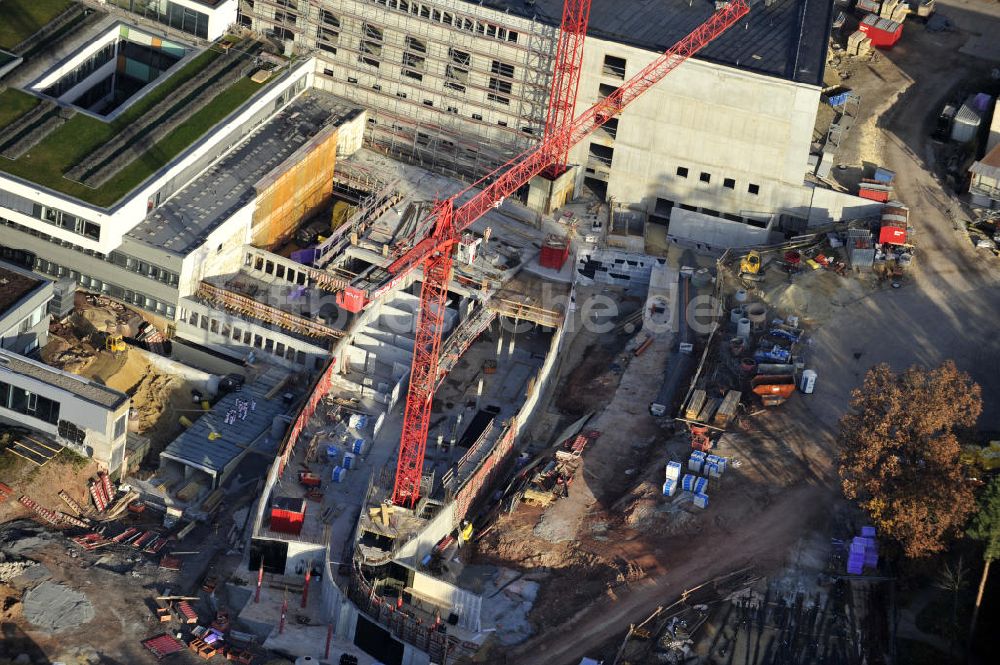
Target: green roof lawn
[
  {"x": 14, "y": 104},
  {"x": 20, "y": 19},
  {"x": 80, "y": 135}
]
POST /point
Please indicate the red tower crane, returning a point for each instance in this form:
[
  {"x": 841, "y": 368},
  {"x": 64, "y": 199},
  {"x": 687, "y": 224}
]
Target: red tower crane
[
  {"x": 447, "y": 222},
  {"x": 566, "y": 77}
]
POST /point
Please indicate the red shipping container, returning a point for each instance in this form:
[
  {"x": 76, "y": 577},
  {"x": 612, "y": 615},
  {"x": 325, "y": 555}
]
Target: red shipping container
[
  {"x": 883, "y": 32},
  {"x": 287, "y": 515},
  {"x": 892, "y": 235},
  {"x": 554, "y": 253},
  {"x": 873, "y": 194}
]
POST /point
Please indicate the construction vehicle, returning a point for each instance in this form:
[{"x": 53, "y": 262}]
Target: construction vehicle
[
  {"x": 115, "y": 344},
  {"x": 432, "y": 251},
  {"x": 750, "y": 265}
]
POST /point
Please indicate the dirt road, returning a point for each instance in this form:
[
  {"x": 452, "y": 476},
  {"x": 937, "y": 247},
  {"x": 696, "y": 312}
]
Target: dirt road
[{"x": 755, "y": 541}]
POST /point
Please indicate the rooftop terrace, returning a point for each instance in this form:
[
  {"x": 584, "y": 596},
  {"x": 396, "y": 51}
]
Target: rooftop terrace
[
  {"x": 14, "y": 285},
  {"x": 784, "y": 38},
  {"x": 53, "y": 140}
]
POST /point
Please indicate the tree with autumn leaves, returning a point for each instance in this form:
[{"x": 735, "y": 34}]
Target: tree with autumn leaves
[{"x": 899, "y": 453}]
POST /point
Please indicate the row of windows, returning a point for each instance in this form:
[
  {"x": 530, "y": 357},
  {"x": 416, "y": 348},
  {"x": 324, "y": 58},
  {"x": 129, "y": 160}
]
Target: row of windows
[
  {"x": 249, "y": 338},
  {"x": 27, "y": 403},
  {"x": 377, "y": 87},
  {"x": 89, "y": 283},
  {"x": 120, "y": 259},
  {"x": 143, "y": 268},
  {"x": 449, "y": 18},
  {"x": 728, "y": 183},
  {"x": 64, "y": 220}
]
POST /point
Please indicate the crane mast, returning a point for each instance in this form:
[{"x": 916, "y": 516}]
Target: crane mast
[{"x": 434, "y": 252}]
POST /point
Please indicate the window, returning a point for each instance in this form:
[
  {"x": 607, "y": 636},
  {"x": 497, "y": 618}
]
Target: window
[
  {"x": 614, "y": 67},
  {"x": 416, "y": 45},
  {"x": 119, "y": 427},
  {"x": 401, "y": 95},
  {"x": 753, "y": 189},
  {"x": 502, "y": 69},
  {"x": 682, "y": 171},
  {"x": 705, "y": 177},
  {"x": 453, "y": 109},
  {"x": 502, "y": 123},
  {"x": 428, "y": 102},
  {"x": 414, "y": 61},
  {"x": 329, "y": 18},
  {"x": 327, "y": 72},
  {"x": 729, "y": 183},
  {"x": 460, "y": 58},
  {"x": 476, "y": 116}
]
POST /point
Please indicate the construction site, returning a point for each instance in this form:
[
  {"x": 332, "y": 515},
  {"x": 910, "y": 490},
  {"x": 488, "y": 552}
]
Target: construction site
[{"x": 452, "y": 332}]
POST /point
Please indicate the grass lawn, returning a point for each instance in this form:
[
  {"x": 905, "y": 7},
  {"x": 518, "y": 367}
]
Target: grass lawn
[
  {"x": 14, "y": 104},
  {"x": 19, "y": 19},
  {"x": 81, "y": 135}
]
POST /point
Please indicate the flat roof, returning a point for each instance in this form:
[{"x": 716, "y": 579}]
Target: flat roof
[
  {"x": 15, "y": 285},
  {"x": 194, "y": 448},
  {"x": 77, "y": 385},
  {"x": 186, "y": 219},
  {"x": 785, "y": 38}
]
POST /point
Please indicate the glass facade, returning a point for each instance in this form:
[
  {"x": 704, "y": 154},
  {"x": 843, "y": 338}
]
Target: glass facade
[
  {"x": 27, "y": 403},
  {"x": 168, "y": 13}
]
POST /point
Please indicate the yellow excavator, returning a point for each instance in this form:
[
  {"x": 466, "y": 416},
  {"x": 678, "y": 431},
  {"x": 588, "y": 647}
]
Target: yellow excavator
[
  {"x": 115, "y": 344},
  {"x": 751, "y": 267}
]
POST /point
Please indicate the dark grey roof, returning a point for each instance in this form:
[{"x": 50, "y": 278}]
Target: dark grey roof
[
  {"x": 186, "y": 219},
  {"x": 783, "y": 38},
  {"x": 193, "y": 446},
  {"x": 71, "y": 383}
]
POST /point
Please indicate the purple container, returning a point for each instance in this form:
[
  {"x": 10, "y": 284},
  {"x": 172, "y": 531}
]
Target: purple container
[{"x": 868, "y": 531}]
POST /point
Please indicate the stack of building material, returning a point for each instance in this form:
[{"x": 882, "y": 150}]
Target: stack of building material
[
  {"x": 338, "y": 474},
  {"x": 673, "y": 474},
  {"x": 185, "y": 612},
  {"x": 688, "y": 481},
  {"x": 5, "y": 492},
  {"x": 163, "y": 645},
  {"x": 859, "y": 44},
  {"x": 863, "y": 552},
  {"x": 696, "y": 461},
  {"x": 49, "y": 516},
  {"x": 869, "y": 6},
  {"x": 701, "y": 485}
]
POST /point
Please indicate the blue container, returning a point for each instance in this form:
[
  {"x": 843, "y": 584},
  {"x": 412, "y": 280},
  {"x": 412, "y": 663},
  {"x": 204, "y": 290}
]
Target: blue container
[
  {"x": 338, "y": 474},
  {"x": 701, "y": 500},
  {"x": 687, "y": 482},
  {"x": 669, "y": 487},
  {"x": 349, "y": 460},
  {"x": 868, "y": 531},
  {"x": 357, "y": 446},
  {"x": 700, "y": 485}
]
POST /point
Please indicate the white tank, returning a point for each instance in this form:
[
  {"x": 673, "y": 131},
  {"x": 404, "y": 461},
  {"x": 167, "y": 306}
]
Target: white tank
[{"x": 808, "y": 381}]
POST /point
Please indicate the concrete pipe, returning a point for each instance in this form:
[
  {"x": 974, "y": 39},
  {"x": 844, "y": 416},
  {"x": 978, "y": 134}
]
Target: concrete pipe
[
  {"x": 740, "y": 296},
  {"x": 736, "y": 313},
  {"x": 757, "y": 313},
  {"x": 743, "y": 328}
]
